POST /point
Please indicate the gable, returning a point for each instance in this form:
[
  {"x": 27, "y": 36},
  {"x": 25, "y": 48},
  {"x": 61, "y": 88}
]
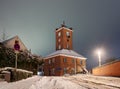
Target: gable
[{"x": 10, "y": 43}]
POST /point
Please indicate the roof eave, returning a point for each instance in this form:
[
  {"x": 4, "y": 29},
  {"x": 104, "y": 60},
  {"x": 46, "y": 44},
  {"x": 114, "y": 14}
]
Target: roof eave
[{"x": 64, "y": 55}]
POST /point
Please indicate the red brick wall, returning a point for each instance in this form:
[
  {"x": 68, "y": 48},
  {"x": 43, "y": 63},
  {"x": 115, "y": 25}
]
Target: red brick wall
[
  {"x": 59, "y": 65},
  {"x": 111, "y": 69}
]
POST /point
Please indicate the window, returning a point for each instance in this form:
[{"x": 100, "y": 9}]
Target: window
[
  {"x": 59, "y": 40},
  {"x": 80, "y": 62},
  {"x": 73, "y": 60},
  {"x": 65, "y": 70},
  {"x": 65, "y": 60},
  {"x": 49, "y": 61},
  {"x": 67, "y": 46},
  {"x": 68, "y": 34},
  {"x": 59, "y": 46},
  {"x": 59, "y": 34},
  {"x": 67, "y": 40}
]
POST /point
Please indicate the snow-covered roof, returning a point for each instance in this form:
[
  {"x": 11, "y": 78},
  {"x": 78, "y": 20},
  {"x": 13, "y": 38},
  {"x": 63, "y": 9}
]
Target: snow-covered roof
[
  {"x": 61, "y": 28},
  {"x": 65, "y": 52},
  {"x": 9, "y": 43}
]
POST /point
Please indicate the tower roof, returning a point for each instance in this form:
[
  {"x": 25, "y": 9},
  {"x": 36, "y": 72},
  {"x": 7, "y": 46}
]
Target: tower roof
[
  {"x": 65, "y": 52},
  {"x": 63, "y": 26}
]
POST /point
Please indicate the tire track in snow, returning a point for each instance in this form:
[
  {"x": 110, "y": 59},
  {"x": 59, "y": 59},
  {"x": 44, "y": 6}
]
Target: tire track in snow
[{"x": 90, "y": 84}]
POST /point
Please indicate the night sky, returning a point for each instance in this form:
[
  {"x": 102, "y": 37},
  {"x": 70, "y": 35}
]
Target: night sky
[{"x": 95, "y": 23}]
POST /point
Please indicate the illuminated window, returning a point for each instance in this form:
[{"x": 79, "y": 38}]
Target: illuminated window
[
  {"x": 59, "y": 34},
  {"x": 68, "y": 34},
  {"x": 67, "y": 46},
  {"x": 59, "y": 40},
  {"x": 59, "y": 46}
]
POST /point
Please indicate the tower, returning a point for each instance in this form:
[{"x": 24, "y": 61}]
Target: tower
[
  {"x": 64, "y": 38},
  {"x": 64, "y": 60}
]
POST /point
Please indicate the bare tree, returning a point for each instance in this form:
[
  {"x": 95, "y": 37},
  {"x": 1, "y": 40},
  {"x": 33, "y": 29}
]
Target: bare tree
[{"x": 4, "y": 35}]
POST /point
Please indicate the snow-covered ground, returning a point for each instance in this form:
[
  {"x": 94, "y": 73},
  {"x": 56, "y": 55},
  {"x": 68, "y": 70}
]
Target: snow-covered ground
[{"x": 69, "y": 82}]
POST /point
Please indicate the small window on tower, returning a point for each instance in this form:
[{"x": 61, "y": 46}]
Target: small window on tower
[
  {"x": 68, "y": 34},
  {"x": 59, "y": 46},
  {"x": 59, "y": 40},
  {"x": 59, "y": 34},
  {"x": 67, "y": 46}
]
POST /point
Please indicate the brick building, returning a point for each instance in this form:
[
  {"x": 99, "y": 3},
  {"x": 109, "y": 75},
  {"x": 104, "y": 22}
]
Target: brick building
[{"x": 64, "y": 60}]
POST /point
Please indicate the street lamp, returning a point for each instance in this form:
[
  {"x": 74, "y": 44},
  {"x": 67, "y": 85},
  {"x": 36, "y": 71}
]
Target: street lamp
[{"x": 99, "y": 56}]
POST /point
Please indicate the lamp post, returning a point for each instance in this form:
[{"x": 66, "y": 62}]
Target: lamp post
[{"x": 99, "y": 57}]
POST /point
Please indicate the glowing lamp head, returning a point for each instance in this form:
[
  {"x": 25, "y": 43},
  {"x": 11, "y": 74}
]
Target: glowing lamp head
[{"x": 99, "y": 52}]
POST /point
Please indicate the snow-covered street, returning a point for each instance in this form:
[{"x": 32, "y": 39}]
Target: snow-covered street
[{"x": 69, "y": 82}]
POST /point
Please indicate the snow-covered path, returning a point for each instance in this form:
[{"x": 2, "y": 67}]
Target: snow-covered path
[
  {"x": 95, "y": 82},
  {"x": 70, "y": 82}
]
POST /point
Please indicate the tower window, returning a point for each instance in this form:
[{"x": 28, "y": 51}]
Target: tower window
[
  {"x": 68, "y": 34},
  {"x": 67, "y": 40},
  {"x": 59, "y": 40},
  {"x": 67, "y": 46},
  {"x": 59, "y": 46},
  {"x": 59, "y": 34}
]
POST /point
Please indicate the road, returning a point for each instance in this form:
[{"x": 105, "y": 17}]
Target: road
[{"x": 95, "y": 82}]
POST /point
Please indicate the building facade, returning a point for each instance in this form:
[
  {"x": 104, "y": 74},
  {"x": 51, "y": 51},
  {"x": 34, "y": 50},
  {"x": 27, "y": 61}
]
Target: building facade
[{"x": 64, "y": 60}]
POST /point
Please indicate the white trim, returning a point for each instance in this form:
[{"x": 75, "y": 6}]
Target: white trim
[
  {"x": 66, "y": 56},
  {"x": 64, "y": 28}
]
